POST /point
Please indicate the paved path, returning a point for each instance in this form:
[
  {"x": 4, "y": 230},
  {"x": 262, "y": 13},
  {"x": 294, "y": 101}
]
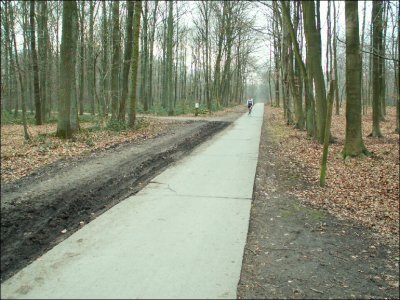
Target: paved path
[{"x": 182, "y": 236}]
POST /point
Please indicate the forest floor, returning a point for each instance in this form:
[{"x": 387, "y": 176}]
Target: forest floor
[
  {"x": 304, "y": 241},
  {"x": 337, "y": 242}
]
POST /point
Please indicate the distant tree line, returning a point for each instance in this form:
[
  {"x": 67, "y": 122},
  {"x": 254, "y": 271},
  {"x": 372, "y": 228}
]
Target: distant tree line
[
  {"x": 76, "y": 57},
  {"x": 363, "y": 65}
]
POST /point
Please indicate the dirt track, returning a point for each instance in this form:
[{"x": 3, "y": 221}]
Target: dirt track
[{"x": 70, "y": 193}]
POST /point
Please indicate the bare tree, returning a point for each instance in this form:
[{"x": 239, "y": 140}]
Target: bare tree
[
  {"x": 135, "y": 62},
  {"x": 376, "y": 67},
  {"x": 127, "y": 60},
  {"x": 35, "y": 68},
  {"x": 354, "y": 145},
  {"x": 67, "y": 119}
]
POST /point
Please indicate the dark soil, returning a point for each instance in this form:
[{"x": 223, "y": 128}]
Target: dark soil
[
  {"x": 70, "y": 193},
  {"x": 295, "y": 251}
]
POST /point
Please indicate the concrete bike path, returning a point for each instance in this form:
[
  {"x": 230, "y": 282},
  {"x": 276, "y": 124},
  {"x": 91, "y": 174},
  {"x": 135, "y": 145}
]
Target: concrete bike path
[{"x": 182, "y": 236}]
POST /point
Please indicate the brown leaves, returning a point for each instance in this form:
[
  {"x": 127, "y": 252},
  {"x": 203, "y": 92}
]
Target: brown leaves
[
  {"x": 19, "y": 158},
  {"x": 362, "y": 189}
]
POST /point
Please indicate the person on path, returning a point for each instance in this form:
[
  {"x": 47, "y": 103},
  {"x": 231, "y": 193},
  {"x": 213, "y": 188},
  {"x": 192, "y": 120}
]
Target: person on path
[{"x": 250, "y": 104}]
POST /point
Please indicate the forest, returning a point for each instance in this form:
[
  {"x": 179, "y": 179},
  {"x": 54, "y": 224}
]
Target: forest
[
  {"x": 99, "y": 97},
  {"x": 112, "y": 59}
]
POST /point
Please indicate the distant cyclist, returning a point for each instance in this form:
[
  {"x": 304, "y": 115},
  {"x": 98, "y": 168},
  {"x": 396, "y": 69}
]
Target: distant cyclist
[{"x": 250, "y": 104}]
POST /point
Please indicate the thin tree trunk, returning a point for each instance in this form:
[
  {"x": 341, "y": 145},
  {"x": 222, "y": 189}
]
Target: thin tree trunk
[
  {"x": 27, "y": 136},
  {"x": 383, "y": 63},
  {"x": 397, "y": 75},
  {"x": 335, "y": 59},
  {"x": 145, "y": 58},
  {"x": 151, "y": 61},
  {"x": 363, "y": 98},
  {"x": 115, "y": 61},
  {"x": 35, "y": 68},
  {"x": 376, "y": 67},
  {"x": 169, "y": 60},
  {"x": 313, "y": 39},
  {"x": 135, "y": 63},
  {"x": 43, "y": 50},
  {"x": 127, "y": 60},
  {"x": 82, "y": 58},
  {"x": 310, "y": 117},
  {"x": 91, "y": 67},
  {"x": 331, "y": 92},
  {"x": 104, "y": 73}
]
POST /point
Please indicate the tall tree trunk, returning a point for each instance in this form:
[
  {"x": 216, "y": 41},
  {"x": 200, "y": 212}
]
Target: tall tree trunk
[
  {"x": 43, "y": 50},
  {"x": 115, "y": 62},
  {"x": 277, "y": 53},
  {"x": 127, "y": 60},
  {"x": 176, "y": 57},
  {"x": 335, "y": 59},
  {"x": 313, "y": 38},
  {"x": 144, "y": 58},
  {"x": 35, "y": 67},
  {"x": 217, "y": 72},
  {"x": 296, "y": 76},
  {"x": 397, "y": 74},
  {"x": 376, "y": 67},
  {"x": 82, "y": 58},
  {"x": 164, "y": 89},
  {"x": 169, "y": 62},
  {"x": 309, "y": 99},
  {"x": 354, "y": 145},
  {"x": 91, "y": 68},
  {"x": 151, "y": 61},
  {"x": 67, "y": 125},
  {"x": 285, "y": 65},
  {"x": 135, "y": 63},
  {"x": 383, "y": 63},
  {"x": 18, "y": 69},
  {"x": 363, "y": 98},
  {"x": 104, "y": 74}
]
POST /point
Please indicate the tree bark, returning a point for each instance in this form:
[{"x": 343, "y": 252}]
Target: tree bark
[
  {"x": 151, "y": 61},
  {"x": 313, "y": 38},
  {"x": 135, "y": 61},
  {"x": 354, "y": 145},
  {"x": 397, "y": 75},
  {"x": 67, "y": 124},
  {"x": 169, "y": 62},
  {"x": 115, "y": 62},
  {"x": 322, "y": 176},
  {"x": 310, "y": 116},
  {"x": 127, "y": 60},
  {"x": 27, "y": 136},
  {"x": 35, "y": 67},
  {"x": 376, "y": 67},
  {"x": 91, "y": 68},
  {"x": 43, "y": 50},
  {"x": 82, "y": 58},
  {"x": 335, "y": 60}
]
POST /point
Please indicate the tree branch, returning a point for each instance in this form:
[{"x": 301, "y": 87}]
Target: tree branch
[{"x": 369, "y": 52}]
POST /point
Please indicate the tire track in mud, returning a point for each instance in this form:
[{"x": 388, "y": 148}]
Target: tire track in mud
[{"x": 69, "y": 194}]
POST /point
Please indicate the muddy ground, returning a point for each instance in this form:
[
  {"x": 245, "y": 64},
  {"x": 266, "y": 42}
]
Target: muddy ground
[
  {"x": 297, "y": 252},
  {"x": 42, "y": 209}
]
